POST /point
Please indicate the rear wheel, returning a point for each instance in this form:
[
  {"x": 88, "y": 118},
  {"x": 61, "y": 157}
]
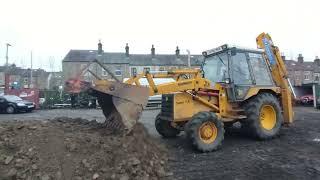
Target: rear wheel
[
  {"x": 164, "y": 128},
  {"x": 205, "y": 131},
  {"x": 264, "y": 116},
  {"x": 10, "y": 110}
]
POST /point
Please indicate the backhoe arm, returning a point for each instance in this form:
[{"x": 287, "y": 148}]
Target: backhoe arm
[{"x": 279, "y": 73}]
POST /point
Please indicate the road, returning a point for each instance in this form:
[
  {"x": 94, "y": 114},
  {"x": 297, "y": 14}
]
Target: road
[{"x": 295, "y": 154}]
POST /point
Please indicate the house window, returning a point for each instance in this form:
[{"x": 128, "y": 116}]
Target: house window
[
  {"x": 146, "y": 69},
  {"x": 133, "y": 71},
  {"x": 118, "y": 71},
  {"x": 307, "y": 75},
  {"x": 316, "y": 77},
  {"x": 161, "y": 69},
  {"x": 297, "y": 73}
]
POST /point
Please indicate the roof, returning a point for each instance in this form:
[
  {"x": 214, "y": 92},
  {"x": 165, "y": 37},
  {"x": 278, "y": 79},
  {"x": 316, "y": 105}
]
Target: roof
[
  {"x": 225, "y": 47},
  {"x": 133, "y": 59},
  {"x": 14, "y": 70},
  {"x": 80, "y": 55},
  {"x": 305, "y": 66}
]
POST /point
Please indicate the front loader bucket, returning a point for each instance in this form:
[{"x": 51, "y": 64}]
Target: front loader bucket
[{"x": 121, "y": 103}]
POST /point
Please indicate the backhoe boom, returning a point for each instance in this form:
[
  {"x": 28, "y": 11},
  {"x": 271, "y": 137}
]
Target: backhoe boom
[{"x": 279, "y": 73}]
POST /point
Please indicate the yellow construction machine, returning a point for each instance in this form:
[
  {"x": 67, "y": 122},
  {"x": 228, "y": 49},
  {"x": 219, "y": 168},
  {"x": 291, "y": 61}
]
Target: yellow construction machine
[{"x": 234, "y": 84}]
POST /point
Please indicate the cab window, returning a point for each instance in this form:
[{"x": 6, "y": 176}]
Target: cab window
[
  {"x": 259, "y": 69},
  {"x": 240, "y": 69}
]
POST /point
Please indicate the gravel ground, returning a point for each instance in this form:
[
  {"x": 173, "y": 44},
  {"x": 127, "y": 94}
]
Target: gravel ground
[{"x": 295, "y": 154}]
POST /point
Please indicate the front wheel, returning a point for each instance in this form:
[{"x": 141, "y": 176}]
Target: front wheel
[
  {"x": 205, "y": 131},
  {"x": 10, "y": 110},
  {"x": 164, "y": 128}
]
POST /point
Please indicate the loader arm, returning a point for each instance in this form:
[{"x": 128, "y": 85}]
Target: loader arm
[
  {"x": 194, "y": 82},
  {"x": 126, "y": 100},
  {"x": 279, "y": 74}
]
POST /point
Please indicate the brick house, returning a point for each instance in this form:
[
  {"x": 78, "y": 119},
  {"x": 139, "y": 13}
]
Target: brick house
[
  {"x": 21, "y": 78},
  {"x": 303, "y": 72},
  {"x": 123, "y": 64}
]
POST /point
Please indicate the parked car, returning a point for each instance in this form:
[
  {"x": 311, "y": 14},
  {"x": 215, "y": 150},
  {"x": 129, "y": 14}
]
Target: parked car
[
  {"x": 307, "y": 99},
  {"x": 13, "y": 104}
]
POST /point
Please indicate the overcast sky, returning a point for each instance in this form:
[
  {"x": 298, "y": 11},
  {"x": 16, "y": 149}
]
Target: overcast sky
[{"x": 51, "y": 28}]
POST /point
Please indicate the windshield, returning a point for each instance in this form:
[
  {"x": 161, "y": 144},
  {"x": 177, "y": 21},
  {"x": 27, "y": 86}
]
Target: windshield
[
  {"x": 215, "y": 68},
  {"x": 12, "y": 98}
]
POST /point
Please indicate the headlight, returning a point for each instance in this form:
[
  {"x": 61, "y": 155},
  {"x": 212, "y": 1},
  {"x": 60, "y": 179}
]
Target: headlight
[{"x": 20, "y": 104}]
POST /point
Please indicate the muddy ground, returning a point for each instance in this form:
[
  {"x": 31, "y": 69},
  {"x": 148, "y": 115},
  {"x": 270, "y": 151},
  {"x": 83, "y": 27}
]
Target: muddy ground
[
  {"x": 77, "y": 149},
  {"x": 295, "y": 154}
]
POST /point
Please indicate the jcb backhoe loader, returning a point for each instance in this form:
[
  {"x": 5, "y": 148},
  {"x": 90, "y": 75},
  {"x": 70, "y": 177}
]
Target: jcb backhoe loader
[{"x": 234, "y": 84}]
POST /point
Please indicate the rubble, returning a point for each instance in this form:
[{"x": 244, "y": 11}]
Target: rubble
[
  {"x": 67, "y": 148},
  {"x": 8, "y": 160}
]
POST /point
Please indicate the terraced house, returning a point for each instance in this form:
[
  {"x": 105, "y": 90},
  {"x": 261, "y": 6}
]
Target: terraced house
[
  {"x": 303, "y": 72},
  {"x": 123, "y": 64}
]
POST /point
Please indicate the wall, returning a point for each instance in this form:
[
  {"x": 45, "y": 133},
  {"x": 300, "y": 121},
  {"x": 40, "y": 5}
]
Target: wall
[
  {"x": 71, "y": 69},
  {"x": 124, "y": 68},
  {"x": 157, "y": 68},
  {"x": 2, "y": 79}
]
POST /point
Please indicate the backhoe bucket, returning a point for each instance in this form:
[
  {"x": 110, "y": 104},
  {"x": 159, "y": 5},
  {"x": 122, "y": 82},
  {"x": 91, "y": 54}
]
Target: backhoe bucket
[{"x": 121, "y": 103}]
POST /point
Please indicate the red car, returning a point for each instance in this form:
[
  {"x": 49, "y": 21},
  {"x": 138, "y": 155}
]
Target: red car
[{"x": 306, "y": 99}]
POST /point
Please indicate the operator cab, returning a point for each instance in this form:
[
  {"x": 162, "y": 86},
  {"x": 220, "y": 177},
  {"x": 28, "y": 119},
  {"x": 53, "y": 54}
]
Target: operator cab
[{"x": 237, "y": 68}]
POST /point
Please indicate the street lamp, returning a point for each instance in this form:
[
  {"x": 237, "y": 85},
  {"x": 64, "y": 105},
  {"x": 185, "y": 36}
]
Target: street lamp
[
  {"x": 7, "y": 57},
  {"x": 189, "y": 58},
  {"x": 6, "y": 74}
]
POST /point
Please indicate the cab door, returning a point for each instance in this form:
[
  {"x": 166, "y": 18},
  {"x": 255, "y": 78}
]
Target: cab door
[
  {"x": 260, "y": 70},
  {"x": 240, "y": 74}
]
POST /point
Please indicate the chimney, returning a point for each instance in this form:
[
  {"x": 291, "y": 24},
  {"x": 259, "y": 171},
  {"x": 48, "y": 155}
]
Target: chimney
[
  {"x": 127, "y": 50},
  {"x": 100, "y": 50},
  {"x": 317, "y": 61},
  {"x": 300, "y": 58},
  {"x": 283, "y": 56},
  {"x": 153, "y": 51},
  {"x": 177, "y": 52}
]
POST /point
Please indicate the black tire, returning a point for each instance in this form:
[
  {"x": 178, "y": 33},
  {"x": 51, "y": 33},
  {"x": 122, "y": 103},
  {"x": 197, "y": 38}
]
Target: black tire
[
  {"x": 164, "y": 128},
  {"x": 10, "y": 110},
  {"x": 192, "y": 129},
  {"x": 252, "y": 124},
  {"x": 228, "y": 124}
]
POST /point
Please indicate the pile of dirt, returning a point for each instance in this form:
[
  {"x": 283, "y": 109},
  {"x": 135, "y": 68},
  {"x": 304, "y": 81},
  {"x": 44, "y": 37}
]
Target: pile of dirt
[{"x": 78, "y": 149}]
